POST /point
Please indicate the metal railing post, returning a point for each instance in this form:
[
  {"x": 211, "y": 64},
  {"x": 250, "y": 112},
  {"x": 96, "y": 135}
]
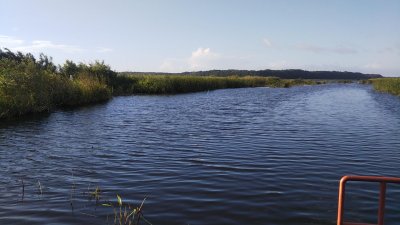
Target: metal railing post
[
  {"x": 382, "y": 198},
  {"x": 342, "y": 192},
  {"x": 382, "y": 195}
]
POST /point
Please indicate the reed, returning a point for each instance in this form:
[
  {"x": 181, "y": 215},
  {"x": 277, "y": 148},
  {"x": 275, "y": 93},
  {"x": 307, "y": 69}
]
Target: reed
[
  {"x": 387, "y": 85},
  {"x": 29, "y": 86},
  {"x": 127, "y": 214},
  {"x": 175, "y": 84},
  {"x": 123, "y": 212}
]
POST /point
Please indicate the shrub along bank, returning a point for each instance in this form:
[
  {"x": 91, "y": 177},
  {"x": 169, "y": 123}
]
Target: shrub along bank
[
  {"x": 28, "y": 85},
  {"x": 31, "y": 85}
]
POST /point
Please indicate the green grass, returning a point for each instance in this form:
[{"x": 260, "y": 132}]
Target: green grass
[
  {"x": 175, "y": 84},
  {"x": 24, "y": 91},
  {"x": 387, "y": 85},
  {"x": 26, "y": 88},
  {"x": 29, "y": 85}
]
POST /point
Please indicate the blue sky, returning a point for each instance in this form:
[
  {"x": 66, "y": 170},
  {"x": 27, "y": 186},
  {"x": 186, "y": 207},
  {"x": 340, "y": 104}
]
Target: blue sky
[{"x": 191, "y": 35}]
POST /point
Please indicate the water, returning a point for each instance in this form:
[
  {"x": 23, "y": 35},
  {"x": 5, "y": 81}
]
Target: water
[{"x": 235, "y": 156}]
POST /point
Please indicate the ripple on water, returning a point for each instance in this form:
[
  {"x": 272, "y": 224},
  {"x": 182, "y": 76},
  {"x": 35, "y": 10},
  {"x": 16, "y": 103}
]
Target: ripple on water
[{"x": 235, "y": 156}]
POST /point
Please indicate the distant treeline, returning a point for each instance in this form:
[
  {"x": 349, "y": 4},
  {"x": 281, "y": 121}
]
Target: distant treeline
[{"x": 284, "y": 74}]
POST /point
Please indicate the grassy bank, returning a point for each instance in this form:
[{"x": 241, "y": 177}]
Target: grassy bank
[
  {"x": 387, "y": 85},
  {"x": 30, "y": 85},
  {"x": 174, "y": 84}
]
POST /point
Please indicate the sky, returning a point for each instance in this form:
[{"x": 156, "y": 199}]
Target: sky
[{"x": 192, "y": 35}]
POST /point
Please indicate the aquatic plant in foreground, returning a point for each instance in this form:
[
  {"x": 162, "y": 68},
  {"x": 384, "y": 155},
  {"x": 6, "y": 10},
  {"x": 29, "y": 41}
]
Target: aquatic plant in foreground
[{"x": 123, "y": 213}]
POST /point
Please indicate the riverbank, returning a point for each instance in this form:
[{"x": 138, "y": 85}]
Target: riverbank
[
  {"x": 176, "y": 84},
  {"x": 387, "y": 85},
  {"x": 23, "y": 93},
  {"x": 29, "y": 85},
  {"x": 32, "y": 85}
]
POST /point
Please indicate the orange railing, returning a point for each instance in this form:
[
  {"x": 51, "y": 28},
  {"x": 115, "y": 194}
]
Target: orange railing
[{"x": 382, "y": 196}]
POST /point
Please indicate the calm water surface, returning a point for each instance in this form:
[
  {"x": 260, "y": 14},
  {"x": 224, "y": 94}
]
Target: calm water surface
[{"x": 235, "y": 156}]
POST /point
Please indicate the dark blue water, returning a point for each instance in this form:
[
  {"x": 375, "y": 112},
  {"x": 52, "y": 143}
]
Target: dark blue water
[{"x": 235, "y": 156}]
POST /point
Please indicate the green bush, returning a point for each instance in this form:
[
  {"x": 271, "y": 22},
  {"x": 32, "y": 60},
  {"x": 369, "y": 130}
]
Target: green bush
[
  {"x": 31, "y": 86},
  {"x": 24, "y": 88}
]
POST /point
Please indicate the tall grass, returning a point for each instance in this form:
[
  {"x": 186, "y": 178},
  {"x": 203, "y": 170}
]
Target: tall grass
[
  {"x": 174, "y": 84},
  {"x": 388, "y": 85},
  {"x": 31, "y": 86}
]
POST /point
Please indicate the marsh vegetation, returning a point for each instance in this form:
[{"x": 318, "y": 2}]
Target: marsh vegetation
[
  {"x": 175, "y": 84},
  {"x": 31, "y": 85},
  {"x": 387, "y": 85},
  {"x": 87, "y": 203}
]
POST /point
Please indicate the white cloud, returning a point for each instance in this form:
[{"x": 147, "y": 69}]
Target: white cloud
[
  {"x": 103, "y": 50},
  {"x": 39, "y": 46},
  {"x": 202, "y": 59},
  {"x": 7, "y": 41},
  {"x": 201, "y": 52},
  {"x": 267, "y": 42}
]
